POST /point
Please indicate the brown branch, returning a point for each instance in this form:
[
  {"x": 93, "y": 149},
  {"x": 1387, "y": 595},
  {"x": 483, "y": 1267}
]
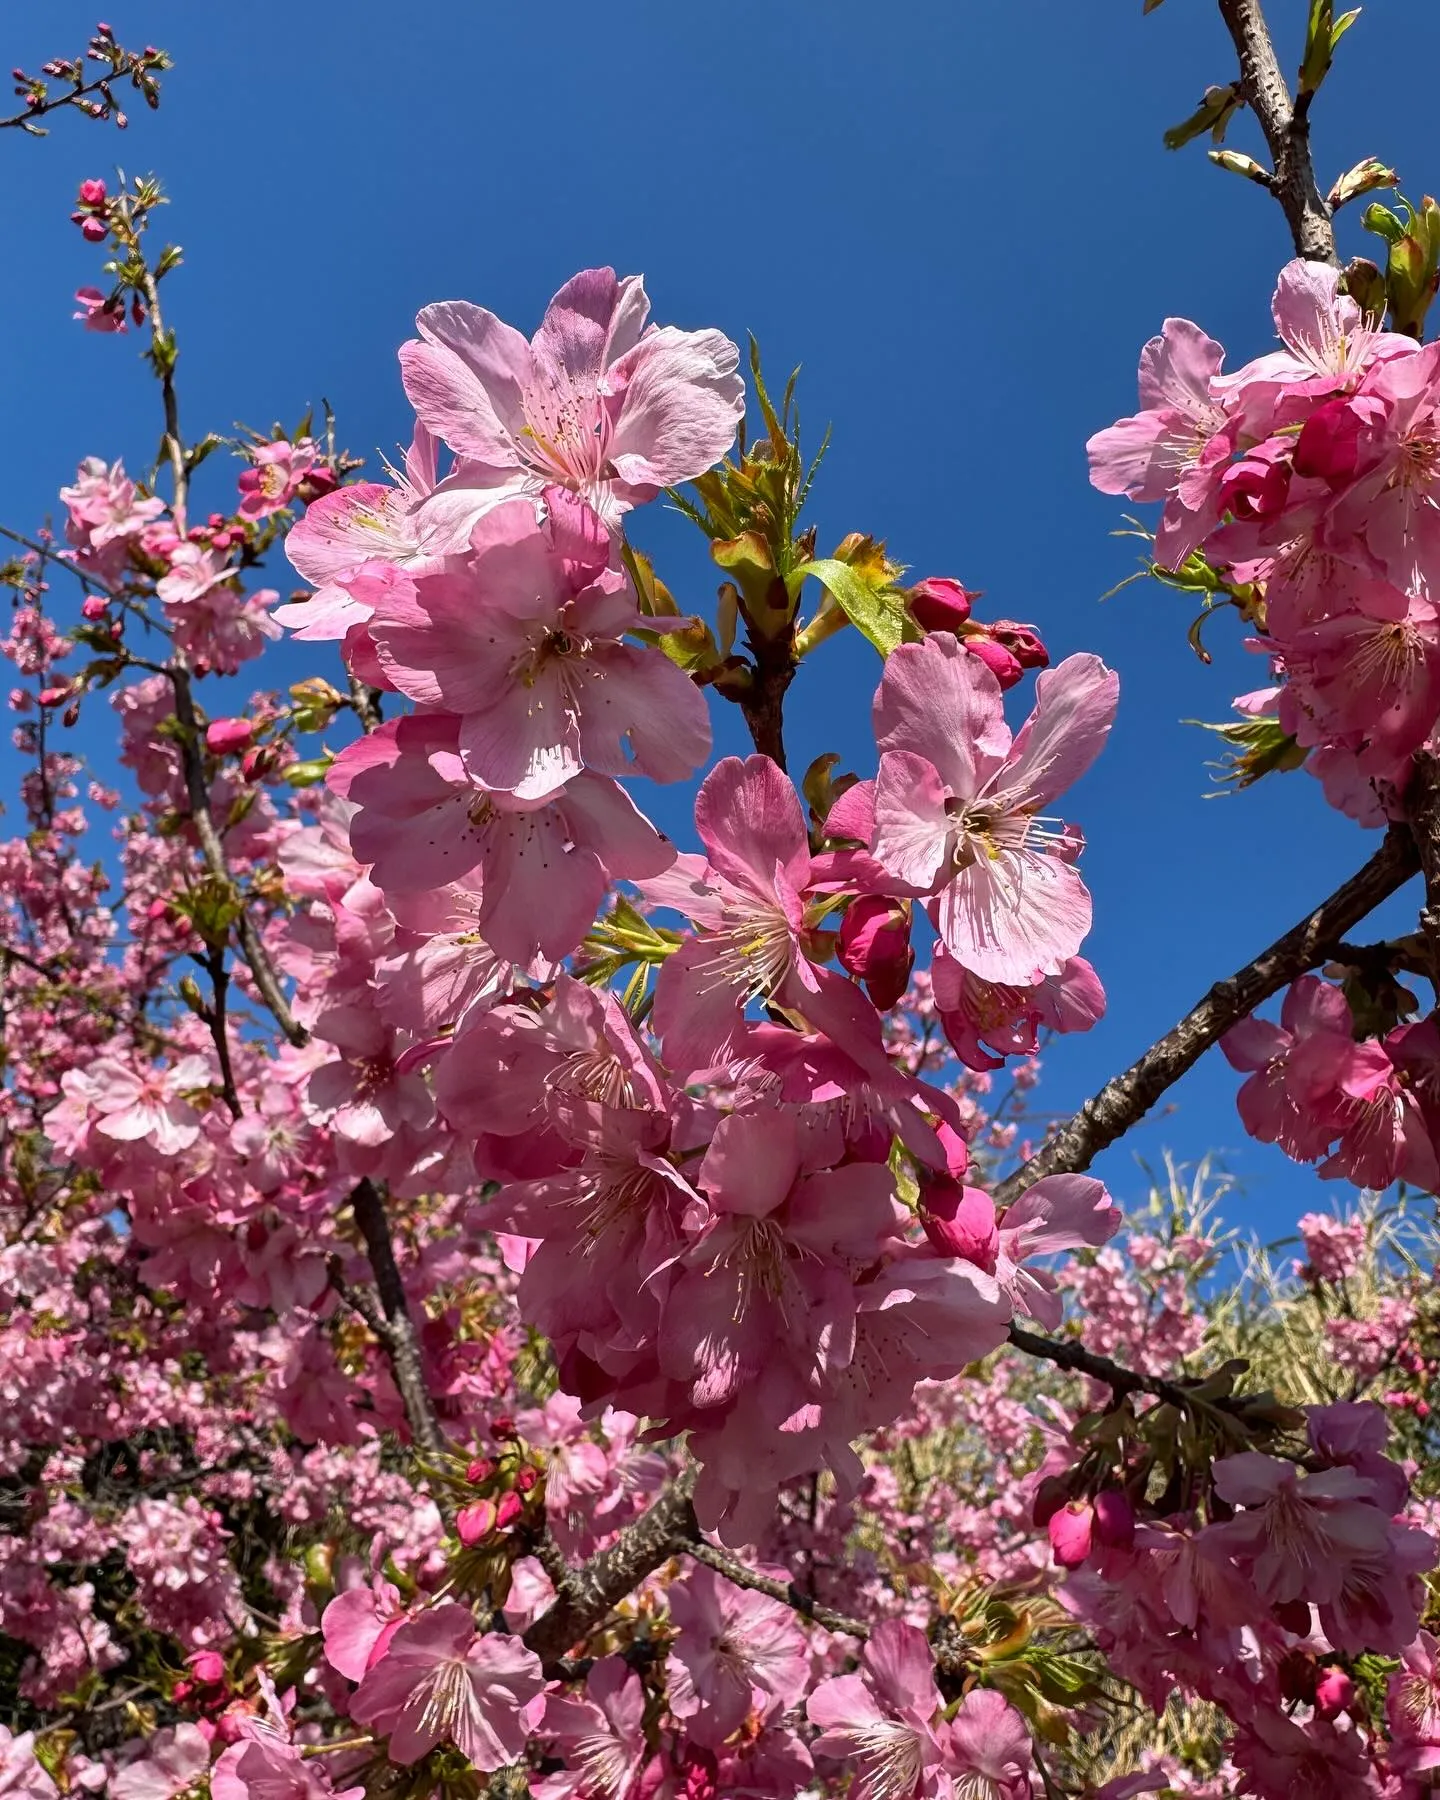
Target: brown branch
[
  {"x": 735, "y": 1571},
  {"x": 211, "y": 848},
  {"x": 1287, "y": 131},
  {"x": 1125, "y": 1100},
  {"x": 365, "y": 702},
  {"x": 394, "y": 1327},
  {"x": 589, "y": 1592},
  {"x": 1070, "y": 1354},
  {"x": 215, "y": 1018},
  {"x": 1423, "y": 804},
  {"x": 763, "y": 701}
]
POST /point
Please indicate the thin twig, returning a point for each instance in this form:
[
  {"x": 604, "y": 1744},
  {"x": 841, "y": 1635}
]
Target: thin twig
[
  {"x": 737, "y": 1572},
  {"x": 215, "y": 1018},
  {"x": 1121, "y": 1103}
]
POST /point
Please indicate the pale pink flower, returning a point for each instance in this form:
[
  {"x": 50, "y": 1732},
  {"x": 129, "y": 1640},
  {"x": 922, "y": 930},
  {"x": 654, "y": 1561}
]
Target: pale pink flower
[
  {"x": 747, "y": 899},
  {"x": 525, "y": 642},
  {"x": 347, "y": 539},
  {"x": 881, "y": 1721},
  {"x": 105, "y": 506},
  {"x": 955, "y": 812},
  {"x": 600, "y": 1735},
  {"x": 1412, "y": 1707},
  {"x": 101, "y": 312},
  {"x": 544, "y": 864},
  {"x": 358, "y": 1624},
  {"x": 987, "y": 1746},
  {"x": 22, "y": 1775},
  {"x": 276, "y": 471},
  {"x": 1297, "y": 1533},
  {"x": 194, "y": 570},
  {"x": 265, "y": 1768},
  {"x": 1058, "y": 1212},
  {"x": 146, "y": 1102},
  {"x": 1315, "y": 1761},
  {"x": 736, "y": 1656},
  {"x": 175, "y": 1757},
  {"x": 441, "y": 1681},
  {"x": 596, "y": 402}
]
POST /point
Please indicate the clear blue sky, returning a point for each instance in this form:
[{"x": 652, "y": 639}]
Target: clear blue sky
[{"x": 958, "y": 217}]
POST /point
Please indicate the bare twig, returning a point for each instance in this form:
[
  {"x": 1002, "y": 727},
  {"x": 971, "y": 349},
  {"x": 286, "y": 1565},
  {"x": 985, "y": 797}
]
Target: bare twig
[
  {"x": 215, "y": 1018},
  {"x": 733, "y": 1570},
  {"x": 1126, "y": 1099}
]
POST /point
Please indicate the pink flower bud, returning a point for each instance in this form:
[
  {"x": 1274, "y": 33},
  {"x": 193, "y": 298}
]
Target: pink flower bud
[
  {"x": 1328, "y": 447},
  {"x": 93, "y": 230},
  {"x": 93, "y": 606},
  {"x": 1071, "y": 1533},
  {"x": 939, "y": 603},
  {"x": 228, "y": 734},
  {"x": 997, "y": 659},
  {"x": 1022, "y": 641},
  {"x": 525, "y": 1478},
  {"x": 474, "y": 1522},
  {"x": 92, "y": 193},
  {"x": 875, "y": 946},
  {"x": 960, "y": 1221},
  {"x": 509, "y": 1510},
  {"x": 207, "y": 1666},
  {"x": 479, "y": 1469},
  {"x": 957, "y": 1151},
  {"x": 1334, "y": 1693},
  {"x": 1114, "y": 1519},
  {"x": 182, "y": 1690},
  {"x": 502, "y": 1429}
]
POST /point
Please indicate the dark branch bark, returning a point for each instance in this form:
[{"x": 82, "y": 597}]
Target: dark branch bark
[
  {"x": 733, "y": 1570},
  {"x": 590, "y": 1591},
  {"x": 763, "y": 704},
  {"x": 1126, "y": 1099},
  {"x": 1287, "y": 131},
  {"x": 398, "y": 1335},
  {"x": 1424, "y": 808}
]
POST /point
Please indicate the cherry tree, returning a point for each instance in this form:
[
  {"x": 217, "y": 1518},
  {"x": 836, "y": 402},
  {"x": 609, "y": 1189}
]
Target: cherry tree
[{"x": 497, "y": 1301}]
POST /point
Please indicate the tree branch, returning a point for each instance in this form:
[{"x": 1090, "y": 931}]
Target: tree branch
[
  {"x": 735, "y": 1571},
  {"x": 589, "y": 1592},
  {"x": 1287, "y": 131},
  {"x": 1125, "y": 1100},
  {"x": 395, "y": 1328},
  {"x": 211, "y": 848}
]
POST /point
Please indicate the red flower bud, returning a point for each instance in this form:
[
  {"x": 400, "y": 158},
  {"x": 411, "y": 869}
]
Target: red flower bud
[
  {"x": 1022, "y": 641},
  {"x": 228, "y": 734},
  {"x": 939, "y": 603},
  {"x": 93, "y": 606},
  {"x": 1334, "y": 1693},
  {"x": 478, "y": 1470},
  {"x": 474, "y": 1522},
  {"x": 997, "y": 659},
  {"x": 207, "y": 1666},
  {"x": 508, "y": 1511},
  {"x": 1072, "y": 1533},
  {"x": 92, "y": 193},
  {"x": 525, "y": 1478},
  {"x": 875, "y": 946},
  {"x": 502, "y": 1428}
]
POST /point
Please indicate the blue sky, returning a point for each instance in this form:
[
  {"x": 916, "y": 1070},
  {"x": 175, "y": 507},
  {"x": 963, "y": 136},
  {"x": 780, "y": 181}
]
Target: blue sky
[{"x": 959, "y": 219}]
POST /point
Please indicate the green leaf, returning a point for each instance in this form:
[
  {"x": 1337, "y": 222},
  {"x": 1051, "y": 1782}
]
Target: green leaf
[
  {"x": 1213, "y": 114},
  {"x": 879, "y": 614}
]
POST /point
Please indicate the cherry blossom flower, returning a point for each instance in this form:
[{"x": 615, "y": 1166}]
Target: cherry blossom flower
[
  {"x": 955, "y": 812},
  {"x": 737, "y": 1656},
  {"x": 174, "y": 1758},
  {"x": 440, "y": 1680},
  {"x": 525, "y": 644},
  {"x": 881, "y": 1721},
  {"x": 21, "y": 1772},
  {"x": 596, "y": 402},
  {"x": 601, "y": 1736},
  {"x": 275, "y": 474}
]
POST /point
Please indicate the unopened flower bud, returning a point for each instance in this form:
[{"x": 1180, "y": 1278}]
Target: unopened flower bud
[
  {"x": 1334, "y": 1693},
  {"x": 207, "y": 1666},
  {"x": 1022, "y": 641},
  {"x": 997, "y": 659},
  {"x": 93, "y": 230},
  {"x": 475, "y": 1522},
  {"x": 93, "y": 606},
  {"x": 92, "y": 193},
  {"x": 960, "y": 1221},
  {"x": 508, "y": 1511},
  {"x": 71, "y": 714},
  {"x": 1071, "y": 1532},
  {"x": 502, "y": 1428},
  {"x": 525, "y": 1478},
  {"x": 478, "y": 1469},
  {"x": 1114, "y": 1519},
  {"x": 228, "y": 734},
  {"x": 939, "y": 603},
  {"x": 875, "y": 946}
]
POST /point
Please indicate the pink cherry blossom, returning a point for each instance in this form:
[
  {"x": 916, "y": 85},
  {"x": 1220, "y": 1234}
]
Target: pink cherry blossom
[
  {"x": 597, "y": 401},
  {"x": 441, "y": 1681},
  {"x": 600, "y": 1736},
  {"x": 955, "y": 812},
  {"x": 525, "y": 644},
  {"x": 276, "y": 471},
  {"x": 737, "y": 1656}
]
